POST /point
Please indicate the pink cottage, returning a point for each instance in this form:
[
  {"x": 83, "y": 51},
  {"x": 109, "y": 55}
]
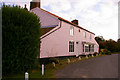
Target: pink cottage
[{"x": 61, "y": 37}]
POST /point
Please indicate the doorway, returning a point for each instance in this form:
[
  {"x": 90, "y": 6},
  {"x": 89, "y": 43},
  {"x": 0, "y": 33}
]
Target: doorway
[{"x": 77, "y": 48}]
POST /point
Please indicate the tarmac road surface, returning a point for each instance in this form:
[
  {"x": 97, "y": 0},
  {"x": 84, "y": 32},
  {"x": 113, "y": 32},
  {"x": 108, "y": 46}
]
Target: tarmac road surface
[{"x": 98, "y": 67}]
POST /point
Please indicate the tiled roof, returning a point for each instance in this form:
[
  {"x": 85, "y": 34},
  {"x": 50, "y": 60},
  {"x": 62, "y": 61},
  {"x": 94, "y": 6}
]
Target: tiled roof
[
  {"x": 48, "y": 26},
  {"x": 45, "y": 30},
  {"x": 67, "y": 21}
]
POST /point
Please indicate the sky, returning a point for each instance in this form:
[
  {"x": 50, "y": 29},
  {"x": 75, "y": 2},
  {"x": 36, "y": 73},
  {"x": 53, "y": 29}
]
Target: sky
[{"x": 97, "y": 16}]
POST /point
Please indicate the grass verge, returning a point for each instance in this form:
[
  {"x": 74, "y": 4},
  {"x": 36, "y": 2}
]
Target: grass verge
[{"x": 49, "y": 69}]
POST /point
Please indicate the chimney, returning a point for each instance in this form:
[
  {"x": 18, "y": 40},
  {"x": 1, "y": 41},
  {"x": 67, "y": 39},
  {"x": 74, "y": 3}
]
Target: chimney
[
  {"x": 75, "y": 22},
  {"x": 34, "y": 4},
  {"x": 25, "y": 7}
]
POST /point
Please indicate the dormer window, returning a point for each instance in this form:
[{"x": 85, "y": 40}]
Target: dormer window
[{"x": 71, "y": 31}]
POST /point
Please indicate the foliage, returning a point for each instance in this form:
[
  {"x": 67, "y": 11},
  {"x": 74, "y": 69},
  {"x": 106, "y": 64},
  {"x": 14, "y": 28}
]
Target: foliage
[
  {"x": 110, "y": 44},
  {"x": 20, "y": 39},
  {"x": 105, "y": 51},
  {"x": 118, "y": 44},
  {"x": 95, "y": 53},
  {"x": 48, "y": 60},
  {"x": 99, "y": 39}
]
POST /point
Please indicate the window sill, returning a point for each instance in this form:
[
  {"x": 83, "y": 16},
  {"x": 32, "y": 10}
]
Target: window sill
[
  {"x": 87, "y": 52},
  {"x": 71, "y": 52}
]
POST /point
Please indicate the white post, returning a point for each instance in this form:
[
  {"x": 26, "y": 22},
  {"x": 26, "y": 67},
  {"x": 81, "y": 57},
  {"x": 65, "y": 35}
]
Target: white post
[
  {"x": 26, "y": 76},
  {"x": 42, "y": 69}
]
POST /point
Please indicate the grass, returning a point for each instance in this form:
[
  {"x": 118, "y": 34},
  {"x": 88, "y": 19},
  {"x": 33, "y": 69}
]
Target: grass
[
  {"x": 49, "y": 73},
  {"x": 49, "y": 69}
]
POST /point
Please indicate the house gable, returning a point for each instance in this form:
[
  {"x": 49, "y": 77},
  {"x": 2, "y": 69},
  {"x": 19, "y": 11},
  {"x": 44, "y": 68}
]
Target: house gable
[{"x": 46, "y": 19}]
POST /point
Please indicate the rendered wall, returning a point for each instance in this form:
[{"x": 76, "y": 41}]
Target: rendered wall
[
  {"x": 57, "y": 43},
  {"x": 45, "y": 18}
]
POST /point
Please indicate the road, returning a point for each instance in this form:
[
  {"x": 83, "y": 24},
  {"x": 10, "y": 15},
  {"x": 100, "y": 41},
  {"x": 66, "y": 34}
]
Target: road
[{"x": 98, "y": 67}]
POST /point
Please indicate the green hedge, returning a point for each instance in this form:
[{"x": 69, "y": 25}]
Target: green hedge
[{"x": 20, "y": 40}]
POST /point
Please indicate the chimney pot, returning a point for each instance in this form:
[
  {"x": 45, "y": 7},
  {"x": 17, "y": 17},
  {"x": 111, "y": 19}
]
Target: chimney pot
[
  {"x": 25, "y": 7},
  {"x": 34, "y": 4},
  {"x": 75, "y": 22}
]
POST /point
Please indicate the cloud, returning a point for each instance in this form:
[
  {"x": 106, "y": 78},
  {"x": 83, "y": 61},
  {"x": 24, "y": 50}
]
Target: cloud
[
  {"x": 17, "y": 2},
  {"x": 57, "y": 5},
  {"x": 98, "y": 16}
]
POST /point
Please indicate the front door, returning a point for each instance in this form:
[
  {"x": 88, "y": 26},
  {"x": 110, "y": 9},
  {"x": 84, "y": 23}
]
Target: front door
[{"x": 77, "y": 47}]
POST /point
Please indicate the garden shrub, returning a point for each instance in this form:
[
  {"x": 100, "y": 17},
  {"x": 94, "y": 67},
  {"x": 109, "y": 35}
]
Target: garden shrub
[
  {"x": 105, "y": 51},
  {"x": 48, "y": 60},
  {"x": 20, "y": 40},
  {"x": 95, "y": 53}
]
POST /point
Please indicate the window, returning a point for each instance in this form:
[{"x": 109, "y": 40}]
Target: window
[
  {"x": 85, "y": 48},
  {"x": 84, "y": 34},
  {"x": 71, "y": 31},
  {"x": 71, "y": 46},
  {"x": 91, "y": 48},
  {"x": 90, "y": 37},
  {"x": 88, "y": 48}
]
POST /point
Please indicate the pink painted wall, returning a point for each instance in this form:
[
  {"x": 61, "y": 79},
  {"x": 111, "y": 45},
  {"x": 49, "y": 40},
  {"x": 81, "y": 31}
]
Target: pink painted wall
[
  {"x": 57, "y": 43},
  {"x": 45, "y": 18}
]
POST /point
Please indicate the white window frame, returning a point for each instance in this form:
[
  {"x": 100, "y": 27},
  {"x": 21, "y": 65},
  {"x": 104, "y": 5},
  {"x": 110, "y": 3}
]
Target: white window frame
[
  {"x": 85, "y": 48},
  {"x": 71, "y": 31},
  {"x": 71, "y": 46},
  {"x": 90, "y": 36},
  {"x": 91, "y": 48},
  {"x": 88, "y": 48},
  {"x": 84, "y": 35}
]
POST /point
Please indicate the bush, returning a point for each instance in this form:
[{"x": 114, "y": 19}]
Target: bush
[
  {"x": 95, "y": 53},
  {"x": 48, "y": 60},
  {"x": 56, "y": 60},
  {"x": 105, "y": 51},
  {"x": 20, "y": 39}
]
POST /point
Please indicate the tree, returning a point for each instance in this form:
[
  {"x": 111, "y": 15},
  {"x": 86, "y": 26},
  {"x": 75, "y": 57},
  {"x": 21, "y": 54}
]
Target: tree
[
  {"x": 111, "y": 45},
  {"x": 20, "y": 40},
  {"x": 99, "y": 39},
  {"x": 118, "y": 44},
  {"x": 118, "y": 40}
]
